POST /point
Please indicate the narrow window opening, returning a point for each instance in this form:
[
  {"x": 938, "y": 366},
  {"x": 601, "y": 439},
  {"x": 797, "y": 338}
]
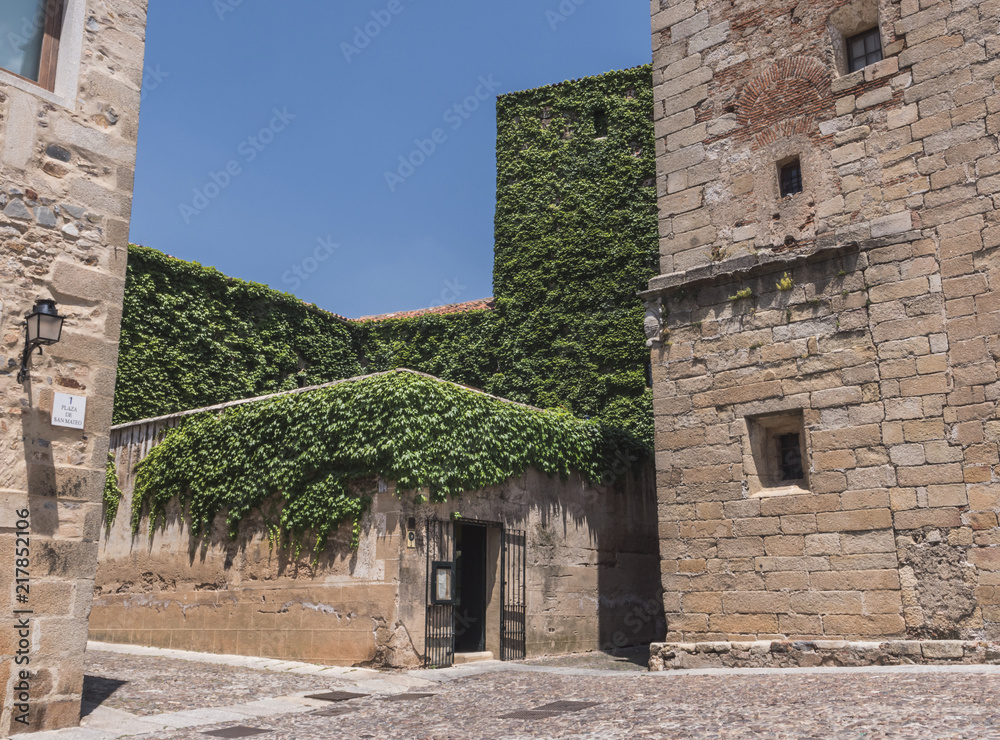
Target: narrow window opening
[
  {"x": 790, "y": 462},
  {"x": 864, "y": 49},
  {"x": 790, "y": 178},
  {"x": 601, "y": 124}
]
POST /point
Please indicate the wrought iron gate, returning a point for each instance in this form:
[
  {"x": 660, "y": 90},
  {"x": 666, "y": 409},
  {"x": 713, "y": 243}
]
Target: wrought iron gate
[
  {"x": 439, "y": 626},
  {"x": 513, "y": 634}
]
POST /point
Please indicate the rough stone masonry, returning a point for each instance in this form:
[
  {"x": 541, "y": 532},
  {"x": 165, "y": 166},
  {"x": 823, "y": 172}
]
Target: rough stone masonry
[
  {"x": 826, "y": 329},
  {"x": 67, "y": 157}
]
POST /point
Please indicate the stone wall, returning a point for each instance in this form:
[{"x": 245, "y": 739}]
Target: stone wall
[
  {"x": 592, "y": 576},
  {"x": 66, "y": 169},
  {"x": 859, "y": 316}
]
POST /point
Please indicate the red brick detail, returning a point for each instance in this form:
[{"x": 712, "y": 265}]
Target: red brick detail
[
  {"x": 785, "y": 99},
  {"x": 788, "y": 127}
]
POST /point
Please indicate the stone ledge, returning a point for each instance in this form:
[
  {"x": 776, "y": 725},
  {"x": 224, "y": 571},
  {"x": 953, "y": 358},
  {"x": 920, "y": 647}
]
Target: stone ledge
[
  {"x": 665, "y": 656},
  {"x": 730, "y": 270}
]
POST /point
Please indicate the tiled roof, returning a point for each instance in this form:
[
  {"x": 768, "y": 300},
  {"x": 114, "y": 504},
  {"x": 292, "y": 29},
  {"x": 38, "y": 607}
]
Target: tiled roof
[{"x": 483, "y": 304}]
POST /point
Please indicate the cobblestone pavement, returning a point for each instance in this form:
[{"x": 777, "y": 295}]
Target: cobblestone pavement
[
  {"x": 149, "y": 685},
  {"x": 475, "y": 701},
  {"x": 627, "y": 659}
]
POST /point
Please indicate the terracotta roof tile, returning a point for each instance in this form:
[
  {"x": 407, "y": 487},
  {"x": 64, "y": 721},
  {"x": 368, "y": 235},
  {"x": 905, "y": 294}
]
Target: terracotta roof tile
[{"x": 483, "y": 304}]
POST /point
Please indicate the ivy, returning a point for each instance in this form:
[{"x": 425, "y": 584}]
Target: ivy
[
  {"x": 300, "y": 459},
  {"x": 576, "y": 239},
  {"x": 112, "y": 493},
  {"x": 458, "y": 347},
  {"x": 193, "y": 337}
]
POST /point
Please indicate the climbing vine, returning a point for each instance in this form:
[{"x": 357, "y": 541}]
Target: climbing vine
[
  {"x": 458, "y": 347},
  {"x": 112, "y": 493},
  {"x": 193, "y": 337},
  {"x": 297, "y": 458},
  {"x": 576, "y": 239}
]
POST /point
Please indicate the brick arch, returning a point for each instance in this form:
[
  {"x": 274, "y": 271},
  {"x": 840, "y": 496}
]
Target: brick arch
[
  {"x": 794, "y": 88},
  {"x": 783, "y": 129}
]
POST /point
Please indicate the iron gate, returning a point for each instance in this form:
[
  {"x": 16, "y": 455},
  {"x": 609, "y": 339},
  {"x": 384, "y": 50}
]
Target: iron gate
[
  {"x": 513, "y": 635},
  {"x": 439, "y": 626},
  {"x": 439, "y": 629}
]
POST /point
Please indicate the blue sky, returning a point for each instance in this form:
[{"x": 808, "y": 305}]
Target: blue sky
[{"x": 266, "y": 137}]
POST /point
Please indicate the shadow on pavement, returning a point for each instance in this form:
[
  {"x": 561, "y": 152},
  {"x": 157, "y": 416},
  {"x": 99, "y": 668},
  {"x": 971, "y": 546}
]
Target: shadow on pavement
[
  {"x": 616, "y": 659},
  {"x": 96, "y": 691}
]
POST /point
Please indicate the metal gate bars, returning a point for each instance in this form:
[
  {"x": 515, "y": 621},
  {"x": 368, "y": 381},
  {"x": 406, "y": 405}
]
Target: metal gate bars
[
  {"x": 513, "y": 615},
  {"x": 439, "y": 628}
]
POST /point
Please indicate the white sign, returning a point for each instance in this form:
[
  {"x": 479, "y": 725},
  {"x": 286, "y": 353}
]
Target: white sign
[{"x": 69, "y": 411}]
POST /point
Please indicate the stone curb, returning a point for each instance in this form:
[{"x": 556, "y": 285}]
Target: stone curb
[{"x": 665, "y": 656}]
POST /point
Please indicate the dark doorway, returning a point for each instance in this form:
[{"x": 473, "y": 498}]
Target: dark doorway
[{"x": 470, "y": 594}]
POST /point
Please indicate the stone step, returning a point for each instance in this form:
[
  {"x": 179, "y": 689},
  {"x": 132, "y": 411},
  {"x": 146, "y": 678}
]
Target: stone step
[{"x": 463, "y": 658}]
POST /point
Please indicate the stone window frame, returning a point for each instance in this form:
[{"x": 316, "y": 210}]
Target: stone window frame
[
  {"x": 761, "y": 463},
  {"x": 852, "y": 19},
  {"x": 67, "y": 64}
]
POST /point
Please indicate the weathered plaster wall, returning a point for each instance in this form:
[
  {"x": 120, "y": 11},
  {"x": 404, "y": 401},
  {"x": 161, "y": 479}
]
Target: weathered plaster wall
[
  {"x": 66, "y": 169},
  {"x": 592, "y": 575},
  {"x": 886, "y": 340}
]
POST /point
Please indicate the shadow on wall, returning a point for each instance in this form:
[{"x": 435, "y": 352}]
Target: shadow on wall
[
  {"x": 622, "y": 522},
  {"x": 251, "y": 553},
  {"x": 593, "y": 576},
  {"x": 36, "y": 436}
]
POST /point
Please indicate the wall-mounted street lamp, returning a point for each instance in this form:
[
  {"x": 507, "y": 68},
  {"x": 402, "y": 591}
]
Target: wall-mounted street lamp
[{"x": 43, "y": 327}]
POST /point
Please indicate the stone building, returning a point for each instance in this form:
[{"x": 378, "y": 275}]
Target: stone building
[
  {"x": 537, "y": 566},
  {"x": 825, "y": 328},
  {"x": 70, "y": 76}
]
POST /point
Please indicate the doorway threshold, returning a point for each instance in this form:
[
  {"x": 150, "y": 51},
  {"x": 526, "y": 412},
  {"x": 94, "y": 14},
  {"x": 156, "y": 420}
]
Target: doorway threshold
[{"x": 463, "y": 658}]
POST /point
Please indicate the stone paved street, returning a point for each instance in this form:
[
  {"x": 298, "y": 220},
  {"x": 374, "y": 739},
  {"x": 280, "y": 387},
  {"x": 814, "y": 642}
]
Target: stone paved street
[
  {"x": 139, "y": 693},
  {"x": 159, "y": 685}
]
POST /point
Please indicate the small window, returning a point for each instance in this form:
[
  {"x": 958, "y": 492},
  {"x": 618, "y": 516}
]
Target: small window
[
  {"x": 778, "y": 460},
  {"x": 864, "y": 49},
  {"x": 790, "y": 177},
  {"x": 29, "y": 39},
  {"x": 601, "y": 124}
]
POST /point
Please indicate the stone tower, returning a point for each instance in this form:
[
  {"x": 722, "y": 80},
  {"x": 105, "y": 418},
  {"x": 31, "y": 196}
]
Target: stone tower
[
  {"x": 826, "y": 324},
  {"x": 69, "y": 115}
]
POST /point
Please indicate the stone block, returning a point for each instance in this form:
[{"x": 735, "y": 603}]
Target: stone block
[
  {"x": 879, "y": 625},
  {"x": 828, "y": 602},
  {"x": 756, "y": 602},
  {"x": 896, "y": 223},
  {"x": 802, "y": 563},
  {"x": 918, "y": 518},
  {"x": 877, "y": 96},
  {"x": 854, "y": 521},
  {"x": 943, "y": 649}
]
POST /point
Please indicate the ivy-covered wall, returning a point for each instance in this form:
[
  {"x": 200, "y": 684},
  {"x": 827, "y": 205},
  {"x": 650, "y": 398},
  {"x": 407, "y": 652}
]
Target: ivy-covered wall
[
  {"x": 458, "y": 347},
  {"x": 314, "y": 448},
  {"x": 576, "y": 238},
  {"x": 193, "y": 337}
]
